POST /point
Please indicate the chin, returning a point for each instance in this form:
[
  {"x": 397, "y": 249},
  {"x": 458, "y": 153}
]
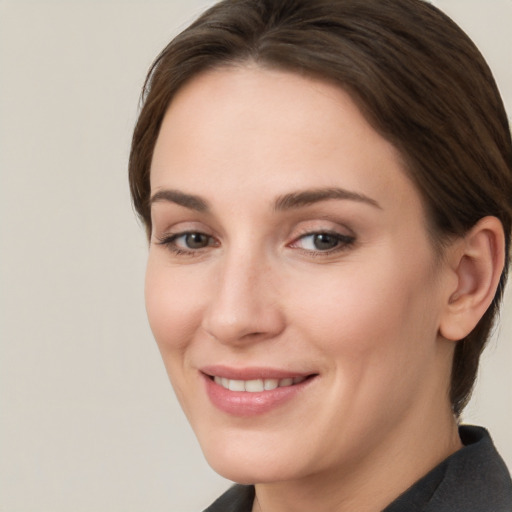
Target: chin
[
  {"x": 247, "y": 471},
  {"x": 254, "y": 458}
]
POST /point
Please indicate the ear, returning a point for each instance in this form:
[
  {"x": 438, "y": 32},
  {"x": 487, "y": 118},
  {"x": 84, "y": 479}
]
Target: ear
[{"x": 477, "y": 261}]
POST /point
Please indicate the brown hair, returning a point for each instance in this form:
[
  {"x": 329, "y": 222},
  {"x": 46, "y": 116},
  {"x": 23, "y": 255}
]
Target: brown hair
[{"x": 416, "y": 76}]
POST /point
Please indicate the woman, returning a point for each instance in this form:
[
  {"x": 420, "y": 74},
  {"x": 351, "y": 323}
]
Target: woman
[{"x": 327, "y": 191}]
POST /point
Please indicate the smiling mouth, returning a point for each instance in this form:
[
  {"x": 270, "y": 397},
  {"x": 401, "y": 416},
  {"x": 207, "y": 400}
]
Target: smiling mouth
[
  {"x": 259, "y": 392},
  {"x": 257, "y": 385}
]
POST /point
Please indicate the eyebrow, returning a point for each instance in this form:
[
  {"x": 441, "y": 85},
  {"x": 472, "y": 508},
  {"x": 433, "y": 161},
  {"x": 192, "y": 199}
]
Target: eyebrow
[
  {"x": 308, "y": 197},
  {"x": 285, "y": 202},
  {"x": 187, "y": 200}
]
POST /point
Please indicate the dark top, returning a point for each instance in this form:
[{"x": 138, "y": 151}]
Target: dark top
[{"x": 474, "y": 479}]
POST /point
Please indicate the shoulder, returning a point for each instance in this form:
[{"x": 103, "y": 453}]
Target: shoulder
[
  {"x": 238, "y": 498},
  {"x": 475, "y": 479}
]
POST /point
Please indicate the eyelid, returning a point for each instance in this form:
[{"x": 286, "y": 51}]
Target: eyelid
[
  {"x": 177, "y": 225},
  {"x": 168, "y": 241},
  {"x": 169, "y": 227},
  {"x": 344, "y": 241},
  {"x": 343, "y": 237},
  {"x": 171, "y": 237}
]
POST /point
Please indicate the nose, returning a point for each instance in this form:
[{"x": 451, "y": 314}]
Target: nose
[{"x": 244, "y": 305}]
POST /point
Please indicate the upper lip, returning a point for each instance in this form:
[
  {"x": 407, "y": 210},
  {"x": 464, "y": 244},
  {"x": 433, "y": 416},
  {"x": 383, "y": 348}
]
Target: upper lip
[{"x": 251, "y": 373}]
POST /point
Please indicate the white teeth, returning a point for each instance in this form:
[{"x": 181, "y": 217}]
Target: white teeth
[
  {"x": 270, "y": 384},
  {"x": 256, "y": 385},
  {"x": 236, "y": 385}
]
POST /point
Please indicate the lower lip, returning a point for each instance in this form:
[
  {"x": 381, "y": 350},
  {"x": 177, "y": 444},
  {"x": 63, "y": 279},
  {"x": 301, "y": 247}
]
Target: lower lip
[{"x": 244, "y": 403}]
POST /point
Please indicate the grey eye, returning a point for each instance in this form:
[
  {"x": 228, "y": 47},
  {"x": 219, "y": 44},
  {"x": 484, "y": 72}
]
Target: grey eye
[
  {"x": 325, "y": 241},
  {"x": 196, "y": 240}
]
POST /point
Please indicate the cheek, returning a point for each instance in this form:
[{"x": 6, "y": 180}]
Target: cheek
[
  {"x": 378, "y": 331},
  {"x": 174, "y": 310},
  {"x": 173, "y": 305},
  {"x": 377, "y": 309}
]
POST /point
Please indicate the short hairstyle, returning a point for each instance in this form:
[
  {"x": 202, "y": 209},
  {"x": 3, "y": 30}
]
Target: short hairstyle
[{"x": 416, "y": 77}]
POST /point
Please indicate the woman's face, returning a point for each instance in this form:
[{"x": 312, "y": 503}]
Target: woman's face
[{"x": 291, "y": 284}]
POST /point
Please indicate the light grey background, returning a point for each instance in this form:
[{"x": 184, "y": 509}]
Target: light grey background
[{"x": 88, "y": 421}]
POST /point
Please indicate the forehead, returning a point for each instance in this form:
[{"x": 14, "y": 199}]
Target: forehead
[{"x": 271, "y": 131}]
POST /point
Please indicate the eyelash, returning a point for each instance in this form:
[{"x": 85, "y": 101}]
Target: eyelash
[
  {"x": 343, "y": 242},
  {"x": 169, "y": 241}
]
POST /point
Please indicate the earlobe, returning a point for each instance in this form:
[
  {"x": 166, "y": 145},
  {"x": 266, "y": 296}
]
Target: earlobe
[{"x": 478, "y": 262}]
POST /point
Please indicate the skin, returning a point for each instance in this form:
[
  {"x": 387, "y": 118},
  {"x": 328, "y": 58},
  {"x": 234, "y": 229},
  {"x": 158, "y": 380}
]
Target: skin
[{"x": 364, "y": 316}]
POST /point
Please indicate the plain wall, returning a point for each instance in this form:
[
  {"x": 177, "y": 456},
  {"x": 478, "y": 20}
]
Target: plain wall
[{"x": 88, "y": 421}]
